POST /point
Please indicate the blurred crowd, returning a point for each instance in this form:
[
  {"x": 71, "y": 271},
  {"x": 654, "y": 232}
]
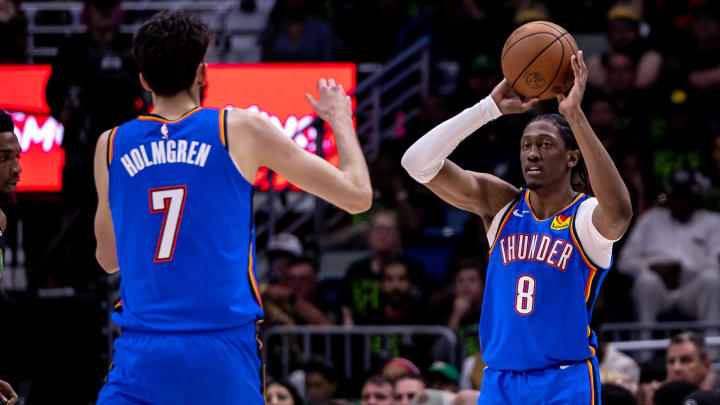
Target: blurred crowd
[{"x": 421, "y": 262}]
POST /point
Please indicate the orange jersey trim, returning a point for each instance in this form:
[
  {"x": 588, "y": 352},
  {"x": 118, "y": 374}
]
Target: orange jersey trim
[
  {"x": 164, "y": 121},
  {"x": 502, "y": 225},
  {"x": 252, "y": 277},
  {"x": 592, "y": 382},
  {"x": 111, "y": 141},
  {"x": 592, "y": 268},
  {"x": 527, "y": 201},
  {"x": 223, "y": 136}
]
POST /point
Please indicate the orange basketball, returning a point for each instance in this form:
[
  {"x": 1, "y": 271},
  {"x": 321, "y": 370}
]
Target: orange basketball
[{"x": 536, "y": 60}]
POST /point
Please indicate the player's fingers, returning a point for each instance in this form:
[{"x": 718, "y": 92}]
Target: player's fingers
[
  {"x": 322, "y": 83},
  {"x": 560, "y": 97},
  {"x": 581, "y": 59},
  {"x": 341, "y": 88},
  {"x": 331, "y": 82},
  {"x": 311, "y": 100}
]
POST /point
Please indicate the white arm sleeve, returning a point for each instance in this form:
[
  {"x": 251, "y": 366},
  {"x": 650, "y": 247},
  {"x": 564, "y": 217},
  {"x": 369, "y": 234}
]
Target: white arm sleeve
[
  {"x": 424, "y": 159},
  {"x": 597, "y": 247}
]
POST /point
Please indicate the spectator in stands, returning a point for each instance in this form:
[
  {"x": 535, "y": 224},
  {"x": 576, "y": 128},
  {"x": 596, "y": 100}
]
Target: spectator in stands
[
  {"x": 623, "y": 36},
  {"x": 611, "y": 359},
  {"x": 377, "y": 390},
  {"x": 292, "y": 35},
  {"x": 93, "y": 86},
  {"x": 460, "y": 309},
  {"x": 361, "y": 287},
  {"x": 296, "y": 299},
  {"x": 397, "y": 305},
  {"x": 13, "y": 31},
  {"x": 406, "y": 388},
  {"x": 321, "y": 383},
  {"x": 673, "y": 392},
  {"x": 702, "y": 397},
  {"x": 443, "y": 376},
  {"x": 705, "y": 61},
  {"x": 280, "y": 392},
  {"x": 613, "y": 394},
  {"x": 399, "y": 367},
  {"x": 688, "y": 360},
  {"x": 674, "y": 254},
  {"x": 282, "y": 249},
  {"x": 652, "y": 376}
]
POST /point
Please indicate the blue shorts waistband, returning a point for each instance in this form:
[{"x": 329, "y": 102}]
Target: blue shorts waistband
[
  {"x": 562, "y": 365},
  {"x": 248, "y": 329}
]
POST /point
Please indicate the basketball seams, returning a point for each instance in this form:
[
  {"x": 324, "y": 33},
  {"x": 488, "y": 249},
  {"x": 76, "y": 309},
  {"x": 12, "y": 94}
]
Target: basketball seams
[
  {"x": 562, "y": 58},
  {"x": 533, "y": 61},
  {"x": 520, "y": 39}
]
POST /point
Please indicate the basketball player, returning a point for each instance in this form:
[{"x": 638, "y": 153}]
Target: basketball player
[
  {"x": 175, "y": 218},
  {"x": 9, "y": 177},
  {"x": 550, "y": 245}
]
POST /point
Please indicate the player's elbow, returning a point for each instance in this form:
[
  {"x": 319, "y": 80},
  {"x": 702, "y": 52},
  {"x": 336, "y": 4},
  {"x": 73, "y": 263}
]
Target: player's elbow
[
  {"x": 109, "y": 264},
  {"x": 360, "y": 201}
]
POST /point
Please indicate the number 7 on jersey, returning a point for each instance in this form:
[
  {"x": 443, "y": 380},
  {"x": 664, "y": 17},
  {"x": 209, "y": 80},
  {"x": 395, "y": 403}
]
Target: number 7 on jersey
[{"x": 171, "y": 202}]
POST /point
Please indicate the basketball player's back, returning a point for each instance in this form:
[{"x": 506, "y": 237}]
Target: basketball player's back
[{"x": 183, "y": 225}]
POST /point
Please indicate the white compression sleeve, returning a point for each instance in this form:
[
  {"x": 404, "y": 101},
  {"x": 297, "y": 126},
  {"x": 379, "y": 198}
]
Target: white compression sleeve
[{"x": 424, "y": 159}]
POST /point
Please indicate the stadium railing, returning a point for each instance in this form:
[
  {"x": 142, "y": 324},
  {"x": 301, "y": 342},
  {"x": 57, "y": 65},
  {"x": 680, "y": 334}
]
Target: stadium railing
[
  {"x": 355, "y": 340},
  {"x": 214, "y": 12}
]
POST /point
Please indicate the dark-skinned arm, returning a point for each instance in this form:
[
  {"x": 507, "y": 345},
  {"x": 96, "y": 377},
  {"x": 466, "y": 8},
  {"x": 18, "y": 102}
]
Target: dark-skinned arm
[{"x": 614, "y": 210}]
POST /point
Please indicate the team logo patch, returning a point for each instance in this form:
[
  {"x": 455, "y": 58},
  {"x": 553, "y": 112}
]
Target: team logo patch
[{"x": 560, "y": 222}]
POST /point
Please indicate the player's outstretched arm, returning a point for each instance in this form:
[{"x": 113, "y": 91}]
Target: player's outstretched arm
[
  {"x": 612, "y": 215},
  {"x": 480, "y": 193},
  {"x": 255, "y": 142},
  {"x": 7, "y": 394},
  {"x": 104, "y": 232}
]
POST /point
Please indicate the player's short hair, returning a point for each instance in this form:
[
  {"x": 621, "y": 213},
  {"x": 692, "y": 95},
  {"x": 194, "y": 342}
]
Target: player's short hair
[
  {"x": 693, "y": 337},
  {"x": 6, "y": 122},
  {"x": 580, "y": 179},
  {"x": 169, "y": 48}
]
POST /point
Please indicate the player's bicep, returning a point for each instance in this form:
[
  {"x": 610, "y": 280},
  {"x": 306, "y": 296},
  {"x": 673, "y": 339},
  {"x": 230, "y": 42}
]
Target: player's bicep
[{"x": 480, "y": 193}]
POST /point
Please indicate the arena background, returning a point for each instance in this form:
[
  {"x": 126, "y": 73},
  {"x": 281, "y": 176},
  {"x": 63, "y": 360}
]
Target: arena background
[{"x": 67, "y": 74}]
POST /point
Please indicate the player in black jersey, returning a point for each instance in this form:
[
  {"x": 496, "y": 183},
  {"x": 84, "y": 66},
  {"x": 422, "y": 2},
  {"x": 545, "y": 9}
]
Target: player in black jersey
[{"x": 9, "y": 176}]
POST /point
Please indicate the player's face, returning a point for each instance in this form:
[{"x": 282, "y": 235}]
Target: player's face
[
  {"x": 406, "y": 389},
  {"x": 684, "y": 363},
  {"x": 373, "y": 394},
  {"x": 9, "y": 165},
  {"x": 279, "y": 395},
  {"x": 543, "y": 156}
]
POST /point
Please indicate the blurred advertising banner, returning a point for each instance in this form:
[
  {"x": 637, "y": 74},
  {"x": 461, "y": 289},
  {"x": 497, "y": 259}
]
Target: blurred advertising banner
[{"x": 275, "y": 90}]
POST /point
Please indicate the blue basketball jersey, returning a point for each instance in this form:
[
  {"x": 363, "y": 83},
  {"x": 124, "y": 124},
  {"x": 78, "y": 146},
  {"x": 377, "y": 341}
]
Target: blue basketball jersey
[
  {"x": 184, "y": 233},
  {"x": 539, "y": 292}
]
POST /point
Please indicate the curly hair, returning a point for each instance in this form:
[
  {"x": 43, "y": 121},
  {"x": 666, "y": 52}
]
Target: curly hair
[
  {"x": 6, "y": 122},
  {"x": 168, "y": 49},
  {"x": 580, "y": 179}
]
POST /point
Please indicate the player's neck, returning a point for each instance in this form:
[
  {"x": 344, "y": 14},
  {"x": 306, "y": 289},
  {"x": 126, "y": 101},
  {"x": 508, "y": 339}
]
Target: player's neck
[
  {"x": 174, "y": 107},
  {"x": 546, "y": 203}
]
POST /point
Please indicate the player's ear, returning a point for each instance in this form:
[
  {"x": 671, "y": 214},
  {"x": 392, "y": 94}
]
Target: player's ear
[
  {"x": 201, "y": 74},
  {"x": 573, "y": 158},
  {"x": 144, "y": 83}
]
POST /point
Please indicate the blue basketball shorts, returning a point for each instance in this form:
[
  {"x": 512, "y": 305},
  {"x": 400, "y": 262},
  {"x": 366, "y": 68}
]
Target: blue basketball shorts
[
  {"x": 574, "y": 384},
  {"x": 220, "y": 368}
]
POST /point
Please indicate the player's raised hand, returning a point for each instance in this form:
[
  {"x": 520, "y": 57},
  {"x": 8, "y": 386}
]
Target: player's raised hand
[
  {"x": 509, "y": 101},
  {"x": 573, "y": 99},
  {"x": 7, "y": 395},
  {"x": 332, "y": 103}
]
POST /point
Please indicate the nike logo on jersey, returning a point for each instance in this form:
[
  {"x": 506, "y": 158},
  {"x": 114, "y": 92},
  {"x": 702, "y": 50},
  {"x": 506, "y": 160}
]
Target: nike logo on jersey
[
  {"x": 161, "y": 152},
  {"x": 519, "y": 214},
  {"x": 536, "y": 247}
]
